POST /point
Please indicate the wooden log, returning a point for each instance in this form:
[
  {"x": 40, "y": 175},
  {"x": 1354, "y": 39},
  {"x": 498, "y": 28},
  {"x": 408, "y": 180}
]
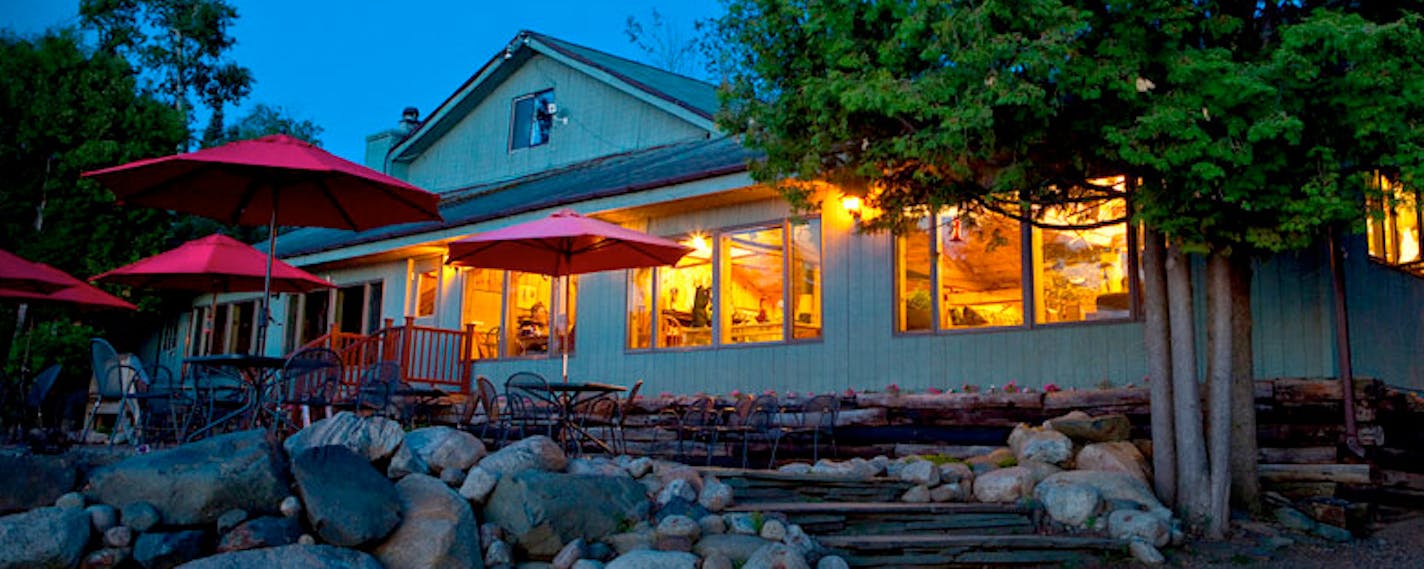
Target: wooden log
[
  {"x": 1346, "y": 473},
  {"x": 1302, "y": 490},
  {"x": 1401, "y": 479},
  {"x": 956, "y": 451},
  {"x": 871, "y": 417},
  {"x": 864, "y": 508},
  {"x": 1299, "y": 391},
  {"x": 1301, "y": 455},
  {"x": 951, "y": 400},
  {"x": 973, "y": 541},
  {"x": 1065, "y": 401}
]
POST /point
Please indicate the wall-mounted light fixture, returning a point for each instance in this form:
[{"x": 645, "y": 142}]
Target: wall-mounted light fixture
[{"x": 852, "y": 205}]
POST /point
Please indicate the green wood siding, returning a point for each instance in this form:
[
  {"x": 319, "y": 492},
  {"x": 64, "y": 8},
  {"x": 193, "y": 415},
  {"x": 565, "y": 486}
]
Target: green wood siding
[
  {"x": 601, "y": 121},
  {"x": 1386, "y": 320}
]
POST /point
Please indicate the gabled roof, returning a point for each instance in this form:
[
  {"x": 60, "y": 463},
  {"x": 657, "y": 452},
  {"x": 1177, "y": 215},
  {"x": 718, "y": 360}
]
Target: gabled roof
[
  {"x": 685, "y": 97},
  {"x": 618, "y": 174}
]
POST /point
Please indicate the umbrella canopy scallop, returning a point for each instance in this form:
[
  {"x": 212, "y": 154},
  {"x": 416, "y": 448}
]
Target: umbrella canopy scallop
[
  {"x": 76, "y": 293},
  {"x": 20, "y": 275},
  {"x": 216, "y": 263}
]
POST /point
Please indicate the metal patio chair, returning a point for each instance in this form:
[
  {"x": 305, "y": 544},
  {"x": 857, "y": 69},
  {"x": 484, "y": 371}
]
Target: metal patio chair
[
  {"x": 310, "y": 378},
  {"x": 698, "y": 423},
  {"x": 818, "y": 421}
]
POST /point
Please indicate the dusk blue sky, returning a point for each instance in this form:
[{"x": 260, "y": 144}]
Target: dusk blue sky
[{"x": 351, "y": 65}]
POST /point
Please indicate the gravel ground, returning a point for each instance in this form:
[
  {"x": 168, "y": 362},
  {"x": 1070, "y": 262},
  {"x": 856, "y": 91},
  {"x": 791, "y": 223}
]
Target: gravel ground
[{"x": 1395, "y": 545}]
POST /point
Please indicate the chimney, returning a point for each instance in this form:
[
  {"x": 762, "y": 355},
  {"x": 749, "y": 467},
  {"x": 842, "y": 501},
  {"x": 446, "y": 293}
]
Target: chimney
[
  {"x": 410, "y": 120},
  {"x": 380, "y": 144}
]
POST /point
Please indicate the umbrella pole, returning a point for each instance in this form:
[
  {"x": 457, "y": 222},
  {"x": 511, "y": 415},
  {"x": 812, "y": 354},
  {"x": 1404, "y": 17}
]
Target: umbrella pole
[
  {"x": 267, "y": 281},
  {"x": 564, "y": 328}
]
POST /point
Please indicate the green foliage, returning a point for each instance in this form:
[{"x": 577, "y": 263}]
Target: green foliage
[
  {"x": 935, "y": 459},
  {"x": 54, "y": 342},
  {"x": 1008, "y": 462},
  {"x": 263, "y": 120},
  {"x": 1245, "y": 125}
]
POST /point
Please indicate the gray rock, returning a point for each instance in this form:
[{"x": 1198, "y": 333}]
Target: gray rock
[
  {"x": 34, "y": 481},
  {"x": 1050, "y": 447},
  {"x": 1078, "y": 426},
  {"x": 542, "y": 511},
  {"x": 681, "y": 507},
  {"x": 290, "y": 507},
  {"x": 571, "y": 552},
  {"x": 1295, "y": 519},
  {"x": 453, "y": 477},
  {"x": 375, "y": 438},
  {"x": 832, "y": 562},
  {"x": 347, "y": 501},
  {"x": 800, "y": 541},
  {"x": 1332, "y": 533},
  {"x": 715, "y": 495},
  {"x": 630, "y": 541},
  {"x": 649, "y": 559},
  {"x": 489, "y": 533},
  {"x": 600, "y": 551},
  {"x": 70, "y": 500},
  {"x": 587, "y": 564},
  {"x": 139, "y": 516},
  {"x": 640, "y": 467},
  {"x": 679, "y": 489},
  {"x": 1145, "y": 552},
  {"x": 716, "y": 561},
  {"x": 921, "y": 472},
  {"x": 1069, "y": 504},
  {"x": 679, "y": 526},
  {"x": 1137, "y": 524},
  {"x": 795, "y": 468},
  {"x": 478, "y": 484},
  {"x": 43, "y": 538},
  {"x": 499, "y": 553},
  {"x": 738, "y": 548},
  {"x": 741, "y": 523},
  {"x": 306, "y": 539},
  {"x": 776, "y": 556},
  {"x": 712, "y": 524},
  {"x": 952, "y": 492},
  {"x": 849, "y": 470},
  {"x": 955, "y": 472},
  {"x": 773, "y": 530},
  {"x": 105, "y": 558},
  {"x": 168, "y": 550},
  {"x": 1111, "y": 486},
  {"x": 671, "y": 543},
  {"x": 267, "y": 531},
  {"x": 230, "y": 519},
  {"x": 1003, "y": 485},
  {"x": 289, "y": 557},
  {"x": 118, "y": 536},
  {"x": 1117, "y": 456},
  {"x": 195, "y": 483},
  {"x": 597, "y": 466},
  {"x": 443, "y": 447},
  {"x": 919, "y": 494},
  {"x": 102, "y": 517},
  {"x": 405, "y": 463},
  {"x": 534, "y": 453},
  {"x": 437, "y": 529},
  {"x": 667, "y": 471}
]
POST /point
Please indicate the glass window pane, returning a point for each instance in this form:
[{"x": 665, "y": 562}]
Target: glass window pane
[
  {"x": 913, "y": 300},
  {"x": 640, "y": 309},
  {"x": 980, "y": 272},
  {"x": 1081, "y": 274},
  {"x": 753, "y": 286},
  {"x": 373, "y": 307},
  {"x": 685, "y": 297},
  {"x": 426, "y": 284},
  {"x": 523, "y": 117},
  {"x": 806, "y": 278},
  {"x": 351, "y": 300},
  {"x": 527, "y": 315},
  {"x": 243, "y": 320},
  {"x": 314, "y": 316},
  {"x": 565, "y": 336},
  {"x": 484, "y": 295},
  {"x": 218, "y": 343}
]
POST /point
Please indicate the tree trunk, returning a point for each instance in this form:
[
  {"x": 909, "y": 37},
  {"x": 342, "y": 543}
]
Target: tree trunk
[
  {"x": 1157, "y": 340},
  {"x": 1192, "y": 489},
  {"x": 1219, "y": 350},
  {"x": 1245, "y": 486}
]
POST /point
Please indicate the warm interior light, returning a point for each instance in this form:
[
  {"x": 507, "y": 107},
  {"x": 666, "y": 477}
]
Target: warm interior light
[
  {"x": 851, "y": 204},
  {"x": 699, "y": 243}
]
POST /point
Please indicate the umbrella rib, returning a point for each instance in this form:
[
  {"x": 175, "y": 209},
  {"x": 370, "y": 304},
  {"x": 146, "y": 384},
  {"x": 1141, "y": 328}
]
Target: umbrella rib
[
  {"x": 161, "y": 186},
  {"x": 247, "y": 195},
  {"x": 331, "y": 197},
  {"x": 402, "y": 199}
]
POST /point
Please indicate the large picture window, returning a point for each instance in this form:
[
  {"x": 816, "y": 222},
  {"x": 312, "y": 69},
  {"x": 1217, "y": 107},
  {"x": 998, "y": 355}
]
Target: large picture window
[
  {"x": 956, "y": 272},
  {"x": 747, "y": 285},
  {"x": 514, "y": 314},
  {"x": 1393, "y": 226},
  {"x": 532, "y": 120}
]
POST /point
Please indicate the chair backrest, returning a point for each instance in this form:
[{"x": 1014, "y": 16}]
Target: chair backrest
[
  {"x": 489, "y": 346},
  {"x": 820, "y": 412},
  {"x": 311, "y": 373},
  {"x": 104, "y": 358},
  {"x": 44, "y": 382},
  {"x": 763, "y": 414},
  {"x": 522, "y": 407},
  {"x": 699, "y": 413},
  {"x": 632, "y": 393},
  {"x": 489, "y": 398},
  {"x": 378, "y": 382},
  {"x": 741, "y": 410},
  {"x": 529, "y": 384}
]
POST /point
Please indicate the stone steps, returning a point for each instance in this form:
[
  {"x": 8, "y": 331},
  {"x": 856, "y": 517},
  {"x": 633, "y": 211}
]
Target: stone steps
[
  {"x": 824, "y": 519},
  {"x": 911, "y": 551}
]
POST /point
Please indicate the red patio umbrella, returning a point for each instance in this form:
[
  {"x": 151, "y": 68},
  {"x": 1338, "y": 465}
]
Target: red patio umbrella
[
  {"x": 20, "y": 275},
  {"x": 564, "y": 244},
  {"x": 273, "y": 180},
  {"x": 78, "y": 292}
]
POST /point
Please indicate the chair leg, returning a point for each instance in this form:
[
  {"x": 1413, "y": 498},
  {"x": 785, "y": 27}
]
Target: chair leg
[
  {"x": 89, "y": 419},
  {"x": 775, "y": 442}
]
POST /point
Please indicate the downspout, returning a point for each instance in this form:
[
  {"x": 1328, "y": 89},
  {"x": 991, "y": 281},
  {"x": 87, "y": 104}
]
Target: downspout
[{"x": 1342, "y": 343}]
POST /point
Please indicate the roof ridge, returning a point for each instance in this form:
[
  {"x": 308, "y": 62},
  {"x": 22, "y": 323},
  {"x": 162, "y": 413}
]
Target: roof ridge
[{"x": 543, "y": 36}]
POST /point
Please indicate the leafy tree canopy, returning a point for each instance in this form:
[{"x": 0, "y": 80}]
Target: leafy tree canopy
[{"x": 1248, "y": 124}]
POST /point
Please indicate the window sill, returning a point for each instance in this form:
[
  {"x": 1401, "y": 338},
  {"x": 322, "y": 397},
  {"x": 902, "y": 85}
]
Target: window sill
[{"x": 676, "y": 349}]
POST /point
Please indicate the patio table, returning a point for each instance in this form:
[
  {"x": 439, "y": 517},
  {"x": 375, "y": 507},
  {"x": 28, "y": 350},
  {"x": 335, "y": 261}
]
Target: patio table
[
  {"x": 254, "y": 370},
  {"x": 423, "y": 398},
  {"x": 568, "y": 396}
]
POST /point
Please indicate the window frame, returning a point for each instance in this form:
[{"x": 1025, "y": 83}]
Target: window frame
[
  {"x": 1386, "y": 227},
  {"x": 714, "y": 237},
  {"x": 1030, "y": 300},
  {"x": 501, "y": 340},
  {"x": 534, "y": 116}
]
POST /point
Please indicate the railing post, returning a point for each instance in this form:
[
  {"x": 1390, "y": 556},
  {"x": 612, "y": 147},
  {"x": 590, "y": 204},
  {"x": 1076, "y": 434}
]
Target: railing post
[
  {"x": 386, "y": 346},
  {"x": 407, "y": 338},
  {"x": 467, "y": 358},
  {"x": 331, "y": 335}
]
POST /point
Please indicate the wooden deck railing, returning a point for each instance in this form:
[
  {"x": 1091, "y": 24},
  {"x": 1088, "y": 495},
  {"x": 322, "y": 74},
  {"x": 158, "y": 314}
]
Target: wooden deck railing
[{"x": 428, "y": 356}]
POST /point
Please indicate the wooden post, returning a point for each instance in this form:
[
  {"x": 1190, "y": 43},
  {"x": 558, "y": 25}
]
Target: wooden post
[
  {"x": 467, "y": 358},
  {"x": 407, "y": 339},
  {"x": 386, "y": 346},
  {"x": 331, "y": 335}
]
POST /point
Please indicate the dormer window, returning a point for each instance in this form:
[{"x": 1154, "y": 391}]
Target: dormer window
[{"x": 532, "y": 120}]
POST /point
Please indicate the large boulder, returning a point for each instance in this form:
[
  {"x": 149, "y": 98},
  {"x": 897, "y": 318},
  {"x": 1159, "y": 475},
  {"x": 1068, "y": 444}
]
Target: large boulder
[
  {"x": 289, "y": 557},
  {"x": 348, "y": 502},
  {"x": 1085, "y": 429},
  {"x": 375, "y": 438},
  {"x": 1003, "y": 485},
  {"x": 921, "y": 472},
  {"x": 534, "y": 453},
  {"x": 43, "y": 538},
  {"x": 34, "y": 481},
  {"x": 196, "y": 483},
  {"x": 1136, "y": 524},
  {"x": 1069, "y": 504},
  {"x": 1111, "y": 486},
  {"x": 168, "y": 550},
  {"x": 437, "y": 529},
  {"x": 441, "y": 448},
  {"x": 649, "y": 559},
  {"x": 267, "y": 531},
  {"x": 542, "y": 511},
  {"x": 1042, "y": 445},
  {"x": 1118, "y": 456}
]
